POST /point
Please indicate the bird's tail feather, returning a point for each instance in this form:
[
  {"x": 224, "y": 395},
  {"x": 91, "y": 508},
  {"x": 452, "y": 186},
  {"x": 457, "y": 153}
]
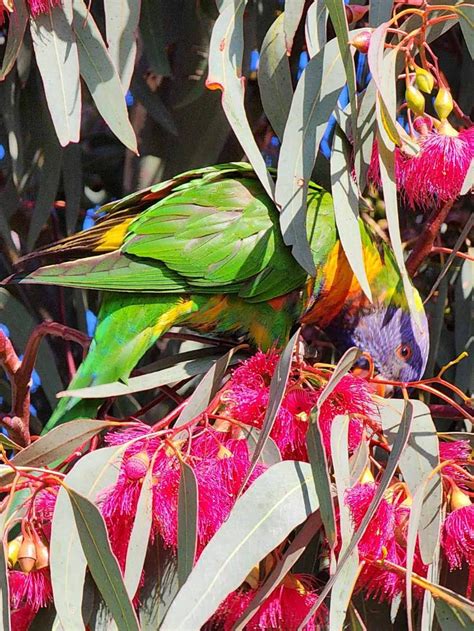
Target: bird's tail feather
[{"x": 128, "y": 326}]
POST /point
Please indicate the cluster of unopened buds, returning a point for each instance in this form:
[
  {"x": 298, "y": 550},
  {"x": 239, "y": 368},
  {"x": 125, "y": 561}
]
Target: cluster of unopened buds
[
  {"x": 216, "y": 446},
  {"x": 431, "y": 169}
]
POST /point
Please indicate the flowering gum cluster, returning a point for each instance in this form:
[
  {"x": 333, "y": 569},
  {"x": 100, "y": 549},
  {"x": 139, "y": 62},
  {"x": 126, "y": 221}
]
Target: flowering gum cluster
[
  {"x": 217, "y": 448},
  {"x": 35, "y": 7},
  {"x": 436, "y": 174}
]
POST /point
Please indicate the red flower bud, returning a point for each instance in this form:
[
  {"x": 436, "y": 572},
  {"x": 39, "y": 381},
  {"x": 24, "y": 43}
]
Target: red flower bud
[
  {"x": 361, "y": 41},
  {"x": 136, "y": 466}
]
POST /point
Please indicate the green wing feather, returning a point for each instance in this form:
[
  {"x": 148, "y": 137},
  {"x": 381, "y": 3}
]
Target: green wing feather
[{"x": 211, "y": 230}]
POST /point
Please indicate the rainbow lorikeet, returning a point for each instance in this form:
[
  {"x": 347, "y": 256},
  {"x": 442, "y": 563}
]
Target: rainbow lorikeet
[{"x": 204, "y": 250}]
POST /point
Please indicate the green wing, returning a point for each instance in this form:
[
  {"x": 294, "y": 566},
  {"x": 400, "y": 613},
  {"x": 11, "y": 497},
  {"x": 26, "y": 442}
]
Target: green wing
[{"x": 212, "y": 230}]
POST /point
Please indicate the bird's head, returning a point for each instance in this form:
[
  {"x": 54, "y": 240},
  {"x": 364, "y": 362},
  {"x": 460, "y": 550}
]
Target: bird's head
[{"x": 397, "y": 344}]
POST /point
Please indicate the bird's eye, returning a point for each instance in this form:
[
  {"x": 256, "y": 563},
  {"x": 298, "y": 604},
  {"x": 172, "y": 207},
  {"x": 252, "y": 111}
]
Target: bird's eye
[{"x": 404, "y": 352}]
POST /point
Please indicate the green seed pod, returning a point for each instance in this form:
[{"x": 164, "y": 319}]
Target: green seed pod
[
  {"x": 443, "y": 103},
  {"x": 424, "y": 80},
  {"x": 415, "y": 100},
  {"x": 13, "y": 550}
]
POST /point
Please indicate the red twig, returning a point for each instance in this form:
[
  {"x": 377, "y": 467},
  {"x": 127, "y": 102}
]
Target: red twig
[
  {"x": 424, "y": 244},
  {"x": 19, "y": 420},
  {"x": 19, "y": 374}
]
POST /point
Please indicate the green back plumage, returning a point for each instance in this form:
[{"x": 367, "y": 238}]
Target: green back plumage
[{"x": 215, "y": 230}]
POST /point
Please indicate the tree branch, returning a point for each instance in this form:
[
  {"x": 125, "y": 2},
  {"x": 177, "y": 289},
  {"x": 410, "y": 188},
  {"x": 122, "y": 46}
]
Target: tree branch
[{"x": 427, "y": 238}]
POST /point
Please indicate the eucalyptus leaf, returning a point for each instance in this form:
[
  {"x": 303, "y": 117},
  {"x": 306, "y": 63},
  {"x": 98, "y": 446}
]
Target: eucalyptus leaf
[
  {"x": 450, "y": 618},
  {"x": 225, "y": 68},
  {"x": 140, "y": 536},
  {"x": 296, "y": 548},
  {"x": 387, "y": 171},
  {"x": 338, "y": 16},
  {"x": 274, "y": 78},
  {"x": 365, "y": 134},
  {"x": 315, "y": 27},
  {"x": 322, "y": 481},
  {"x": 417, "y": 462},
  {"x": 50, "y": 174},
  {"x": 89, "y": 476},
  {"x": 4, "y": 587},
  {"x": 121, "y": 24},
  {"x": 270, "y": 453},
  {"x": 277, "y": 501},
  {"x": 343, "y": 366},
  {"x": 292, "y": 17},
  {"x": 188, "y": 504},
  {"x": 57, "y": 58},
  {"x": 277, "y": 392},
  {"x": 151, "y": 30},
  {"x": 346, "y": 208},
  {"x": 100, "y": 75},
  {"x": 149, "y": 381},
  {"x": 314, "y": 100},
  {"x": 466, "y": 20},
  {"x": 392, "y": 464},
  {"x": 344, "y": 585},
  {"x": 17, "y": 22},
  {"x": 382, "y": 66},
  {"x": 380, "y": 11},
  {"x": 160, "y": 586},
  {"x": 59, "y": 442},
  {"x": 101, "y": 561}
]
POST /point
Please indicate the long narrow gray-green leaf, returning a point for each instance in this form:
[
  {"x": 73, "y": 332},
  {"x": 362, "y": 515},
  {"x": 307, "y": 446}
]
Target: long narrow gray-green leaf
[
  {"x": 292, "y": 17},
  {"x": 4, "y": 592},
  {"x": 182, "y": 370},
  {"x": 338, "y": 16},
  {"x": 392, "y": 464},
  {"x": 94, "y": 472},
  {"x": 322, "y": 481},
  {"x": 225, "y": 69},
  {"x": 281, "y": 569},
  {"x": 121, "y": 23},
  {"x": 140, "y": 536},
  {"x": 274, "y": 78},
  {"x": 59, "y": 442},
  {"x": 389, "y": 184},
  {"x": 315, "y": 98},
  {"x": 346, "y": 208},
  {"x": 188, "y": 503},
  {"x": 17, "y": 22},
  {"x": 275, "y": 398},
  {"x": 278, "y": 501},
  {"x": 151, "y": 30},
  {"x": 380, "y": 11},
  {"x": 57, "y": 57},
  {"x": 345, "y": 582},
  {"x": 343, "y": 366},
  {"x": 382, "y": 67},
  {"x": 315, "y": 27},
  {"x": 101, "y": 561},
  {"x": 317, "y": 452},
  {"x": 100, "y": 75},
  {"x": 50, "y": 174},
  {"x": 206, "y": 389},
  {"x": 417, "y": 462},
  {"x": 365, "y": 134}
]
